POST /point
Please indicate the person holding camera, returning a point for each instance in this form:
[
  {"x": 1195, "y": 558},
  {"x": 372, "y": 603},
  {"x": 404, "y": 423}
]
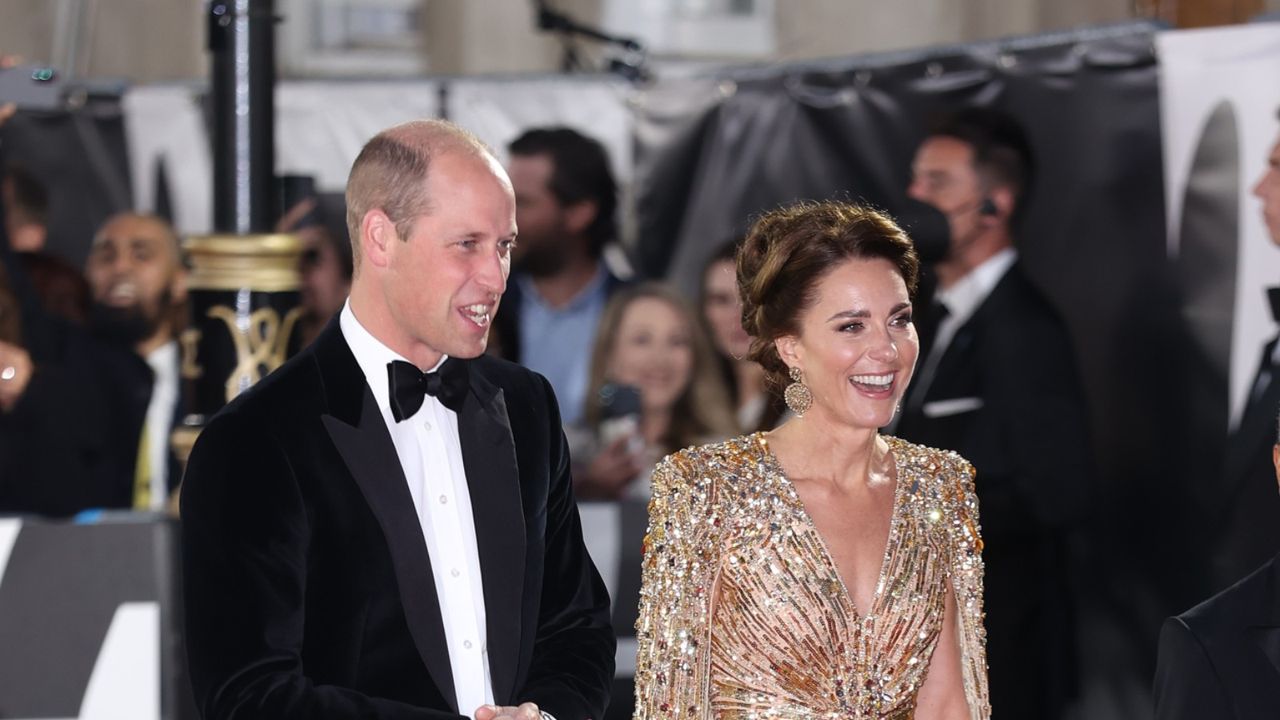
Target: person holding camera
[{"x": 653, "y": 389}]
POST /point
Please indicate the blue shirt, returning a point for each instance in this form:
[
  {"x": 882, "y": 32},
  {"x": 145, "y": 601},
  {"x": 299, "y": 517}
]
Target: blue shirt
[{"x": 557, "y": 342}]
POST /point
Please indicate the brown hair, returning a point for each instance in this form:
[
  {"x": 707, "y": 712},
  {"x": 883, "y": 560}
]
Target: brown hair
[
  {"x": 789, "y": 250},
  {"x": 391, "y": 168},
  {"x": 701, "y": 413},
  {"x": 774, "y": 407}
]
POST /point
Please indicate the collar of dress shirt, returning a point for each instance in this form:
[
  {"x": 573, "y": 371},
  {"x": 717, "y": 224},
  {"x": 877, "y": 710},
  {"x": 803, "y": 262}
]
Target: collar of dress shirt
[
  {"x": 164, "y": 361},
  {"x": 576, "y": 303},
  {"x": 964, "y": 297},
  {"x": 372, "y": 356}
]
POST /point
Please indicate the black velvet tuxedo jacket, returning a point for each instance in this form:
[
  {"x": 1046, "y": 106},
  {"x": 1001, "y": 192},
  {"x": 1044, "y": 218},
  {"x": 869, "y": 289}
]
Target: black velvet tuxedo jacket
[
  {"x": 1249, "y": 528},
  {"x": 1221, "y": 659},
  {"x": 308, "y": 586},
  {"x": 1007, "y": 396}
]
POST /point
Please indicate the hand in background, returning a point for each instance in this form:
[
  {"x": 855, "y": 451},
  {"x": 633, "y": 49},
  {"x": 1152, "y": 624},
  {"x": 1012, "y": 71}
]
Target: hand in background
[
  {"x": 15, "y": 373},
  {"x": 289, "y": 221},
  {"x": 8, "y": 109},
  {"x": 609, "y": 473}
]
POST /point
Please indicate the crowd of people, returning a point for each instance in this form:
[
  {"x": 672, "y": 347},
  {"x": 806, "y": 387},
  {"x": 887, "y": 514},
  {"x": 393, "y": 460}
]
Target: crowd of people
[{"x": 793, "y": 536}]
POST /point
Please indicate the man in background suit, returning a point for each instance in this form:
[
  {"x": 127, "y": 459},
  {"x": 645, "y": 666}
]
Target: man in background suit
[
  {"x": 1221, "y": 659},
  {"x": 85, "y": 415},
  {"x": 997, "y": 383},
  {"x": 1248, "y": 528},
  {"x": 566, "y": 206},
  {"x": 385, "y": 526}
]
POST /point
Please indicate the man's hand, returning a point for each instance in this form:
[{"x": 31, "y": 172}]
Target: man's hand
[
  {"x": 289, "y": 221},
  {"x": 527, "y": 711},
  {"x": 15, "y": 373}
]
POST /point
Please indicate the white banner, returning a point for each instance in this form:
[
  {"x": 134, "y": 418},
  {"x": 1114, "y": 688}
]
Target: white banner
[
  {"x": 321, "y": 126},
  {"x": 1223, "y": 82}
]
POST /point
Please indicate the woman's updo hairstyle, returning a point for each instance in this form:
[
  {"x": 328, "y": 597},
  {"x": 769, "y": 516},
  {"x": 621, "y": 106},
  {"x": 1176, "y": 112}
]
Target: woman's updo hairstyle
[{"x": 789, "y": 250}]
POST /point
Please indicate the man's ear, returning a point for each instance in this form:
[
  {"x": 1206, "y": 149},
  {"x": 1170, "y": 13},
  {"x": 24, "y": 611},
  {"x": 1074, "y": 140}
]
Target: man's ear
[
  {"x": 377, "y": 233},
  {"x": 1003, "y": 198},
  {"x": 579, "y": 215}
]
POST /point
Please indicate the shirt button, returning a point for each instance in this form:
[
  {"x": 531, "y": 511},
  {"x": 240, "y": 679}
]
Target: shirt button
[
  {"x": 426, "y": 424},
  {"x": 466, "y": 644},
  {"x": 454, "y": 572},
  {"x": 444, "y": 499}
]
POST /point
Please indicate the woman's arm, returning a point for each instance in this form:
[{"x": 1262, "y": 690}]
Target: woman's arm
[
  {"x": 680, "y": 557},
  {"x": 942, "y": 695},
  {"x": 961, "y": 655}
]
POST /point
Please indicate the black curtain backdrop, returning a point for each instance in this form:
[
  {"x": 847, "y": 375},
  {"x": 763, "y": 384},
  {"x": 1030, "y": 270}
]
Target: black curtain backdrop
[{"x": 712, "y": 152}]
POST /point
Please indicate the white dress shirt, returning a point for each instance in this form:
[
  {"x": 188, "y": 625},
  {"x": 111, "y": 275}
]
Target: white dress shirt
[
  {"x": 164, "y": 398},
  {"x": 962, "y": 300},
  {"x": 430, "y": 453}
]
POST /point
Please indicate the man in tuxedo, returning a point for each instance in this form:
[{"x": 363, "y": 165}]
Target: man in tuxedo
[
  {"x": 1221, "y": 659},
  {"x": 385, "y": 526},
  {"x": 997, "y": 383},
  {"x": 1248, "y": 527}
]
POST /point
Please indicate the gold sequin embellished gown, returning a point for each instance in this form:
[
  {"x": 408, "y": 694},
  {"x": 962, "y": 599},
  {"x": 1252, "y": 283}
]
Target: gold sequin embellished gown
[{"x": 744, "y": 615}]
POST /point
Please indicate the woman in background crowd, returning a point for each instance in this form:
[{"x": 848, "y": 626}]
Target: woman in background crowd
[
  {"x": 649, "y": 341},
  {"x": 757, "y": 408},
  {"x": 819, "y": 569}
]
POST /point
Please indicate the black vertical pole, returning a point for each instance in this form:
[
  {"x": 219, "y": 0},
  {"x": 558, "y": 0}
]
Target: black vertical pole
[
  {"x": 244, "y": 279},
  {"x": 242, "y": 82}
]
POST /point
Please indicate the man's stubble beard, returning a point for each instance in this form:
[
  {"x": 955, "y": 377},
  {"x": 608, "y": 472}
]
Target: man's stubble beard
[
  {"x": 130, "y": 325},
  {"x": 542, "y": 259}
]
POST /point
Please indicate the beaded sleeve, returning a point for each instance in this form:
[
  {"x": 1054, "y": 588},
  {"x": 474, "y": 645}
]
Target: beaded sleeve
[
  {"x": 681, "y": 553},
  {"x": 966, "y": 582}
]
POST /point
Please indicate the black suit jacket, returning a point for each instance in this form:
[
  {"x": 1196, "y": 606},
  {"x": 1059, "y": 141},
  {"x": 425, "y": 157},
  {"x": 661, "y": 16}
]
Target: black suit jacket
[
  {"x": 1249, "y": 526},
  {"x": 308, "y": 585},
  {"x": 1007, "y": 396},
  {"x": 1221, "y": 659}
]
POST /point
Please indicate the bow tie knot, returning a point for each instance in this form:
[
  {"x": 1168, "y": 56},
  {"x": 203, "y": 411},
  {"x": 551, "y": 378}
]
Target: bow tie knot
[
  {"x": 1273, "y": 299},
  {"x": 408, "y": 386}
]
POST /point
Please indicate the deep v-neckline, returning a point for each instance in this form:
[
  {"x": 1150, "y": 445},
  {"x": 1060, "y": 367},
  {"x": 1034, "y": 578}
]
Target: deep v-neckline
[{"x": 828, "y": 559}]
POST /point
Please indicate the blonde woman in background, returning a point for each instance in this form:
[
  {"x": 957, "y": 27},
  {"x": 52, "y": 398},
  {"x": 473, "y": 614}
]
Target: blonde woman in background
[{"x": 649, "y": 340}]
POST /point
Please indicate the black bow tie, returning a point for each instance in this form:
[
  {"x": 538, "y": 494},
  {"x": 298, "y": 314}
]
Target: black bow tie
[
  {"x": 407, "y": 385},
  {"x": 1273, "y": 296}
]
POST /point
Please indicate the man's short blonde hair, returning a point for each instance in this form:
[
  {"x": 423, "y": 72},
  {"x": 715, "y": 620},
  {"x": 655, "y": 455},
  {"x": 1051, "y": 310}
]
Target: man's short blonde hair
[{"x": 391, "y": 169}]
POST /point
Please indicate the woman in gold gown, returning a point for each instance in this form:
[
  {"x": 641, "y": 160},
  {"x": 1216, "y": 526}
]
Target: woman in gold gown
[{"x": 820, "y": 570}]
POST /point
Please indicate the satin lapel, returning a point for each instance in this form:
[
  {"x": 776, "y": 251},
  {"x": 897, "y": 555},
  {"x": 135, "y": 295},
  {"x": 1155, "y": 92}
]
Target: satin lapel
[
  {"x": 1269, "y": 640},
  {"x": 362, "y": 439},
  {"x": 953, "y": 357},
  {"x": 961, "y": 343},
  {"x": 1257, "y": 426},
  {"x": 489, "y": 455},
  {"x": 1267, "y": 631}
]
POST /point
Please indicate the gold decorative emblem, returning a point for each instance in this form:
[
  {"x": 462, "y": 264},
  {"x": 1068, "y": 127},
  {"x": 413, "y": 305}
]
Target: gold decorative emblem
[
  {"x": 190, "y": 341},
  {"x": 261, "y": 340}
]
